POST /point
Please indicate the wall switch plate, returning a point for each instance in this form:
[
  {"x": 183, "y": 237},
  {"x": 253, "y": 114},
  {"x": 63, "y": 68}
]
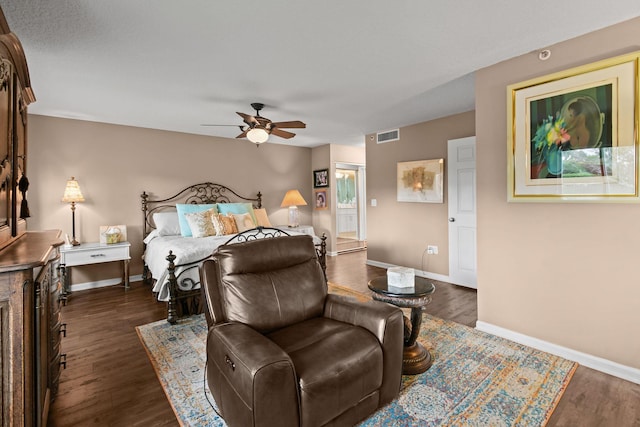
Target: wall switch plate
[
  {"x": 432, "y": 250},
  {"x": 374, "y": 202}
]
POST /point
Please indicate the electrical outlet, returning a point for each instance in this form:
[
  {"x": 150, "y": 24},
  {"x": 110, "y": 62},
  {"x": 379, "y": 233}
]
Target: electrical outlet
[{"x": 432, "y": 250}]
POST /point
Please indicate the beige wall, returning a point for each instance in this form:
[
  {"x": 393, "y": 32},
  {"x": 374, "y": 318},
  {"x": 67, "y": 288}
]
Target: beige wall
[
  {"x": 398, "y": 232},
  {"x": 114, "y": 164},
  {"x": 563, "y": 273}
]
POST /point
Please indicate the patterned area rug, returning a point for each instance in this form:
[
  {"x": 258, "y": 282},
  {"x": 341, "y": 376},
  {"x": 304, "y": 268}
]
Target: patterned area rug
[{"x": 477, "y": 379}]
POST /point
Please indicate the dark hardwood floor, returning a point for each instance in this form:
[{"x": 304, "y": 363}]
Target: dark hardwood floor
[{"x": 109, "y": 380}]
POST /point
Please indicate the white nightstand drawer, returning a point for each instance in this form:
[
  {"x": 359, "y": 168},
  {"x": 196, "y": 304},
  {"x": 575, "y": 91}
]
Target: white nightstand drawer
[{"x": 94, "y": 254}]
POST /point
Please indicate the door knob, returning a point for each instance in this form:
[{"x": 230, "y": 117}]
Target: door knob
[{"x": 452, "y": 220}]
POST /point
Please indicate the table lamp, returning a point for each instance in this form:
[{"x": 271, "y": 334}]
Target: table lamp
[
  {"x": 292, "y": 200},
  {"x": 73, "y": 195}
]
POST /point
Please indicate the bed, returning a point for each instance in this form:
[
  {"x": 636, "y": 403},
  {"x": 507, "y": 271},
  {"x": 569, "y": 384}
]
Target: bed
[{"x": 171, "y": 260}]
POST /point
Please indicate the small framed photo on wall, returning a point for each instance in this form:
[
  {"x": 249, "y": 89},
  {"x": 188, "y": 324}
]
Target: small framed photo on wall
[
  {"x": 321, "y": 178},
  {"x": 322, "y": 199}
]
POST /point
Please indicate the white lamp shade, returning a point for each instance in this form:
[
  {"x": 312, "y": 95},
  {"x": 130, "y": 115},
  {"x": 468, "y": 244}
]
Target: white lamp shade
[
  {"x": 257, "y": 135},
  {"x": 72, "y": 192}
]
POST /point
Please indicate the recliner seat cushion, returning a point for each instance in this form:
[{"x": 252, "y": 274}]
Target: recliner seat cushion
[{"x": 338, "y": 365}]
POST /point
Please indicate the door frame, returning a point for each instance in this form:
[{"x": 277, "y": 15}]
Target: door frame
[{"x": 361, "y": 186}]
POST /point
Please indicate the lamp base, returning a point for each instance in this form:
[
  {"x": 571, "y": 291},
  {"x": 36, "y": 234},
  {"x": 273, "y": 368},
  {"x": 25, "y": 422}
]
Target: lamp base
[
  {"x": 74, "y": 242},
  {"x": 293, "y": 216}
]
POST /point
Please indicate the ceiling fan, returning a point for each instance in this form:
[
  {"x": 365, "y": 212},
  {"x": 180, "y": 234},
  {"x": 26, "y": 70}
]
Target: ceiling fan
[{"x": 258, "y": 128}]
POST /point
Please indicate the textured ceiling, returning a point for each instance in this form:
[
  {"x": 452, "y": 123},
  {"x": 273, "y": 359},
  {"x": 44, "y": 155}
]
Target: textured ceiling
[{"x": 346, "y": 68}]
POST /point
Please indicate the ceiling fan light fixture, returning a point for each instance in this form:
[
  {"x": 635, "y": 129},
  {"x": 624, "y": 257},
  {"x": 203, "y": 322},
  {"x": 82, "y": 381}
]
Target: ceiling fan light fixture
[{"x": 257, "y": 135}]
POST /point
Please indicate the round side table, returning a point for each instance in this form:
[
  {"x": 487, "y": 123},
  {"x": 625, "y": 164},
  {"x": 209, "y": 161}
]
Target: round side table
[{"x": 415, "y": 358}]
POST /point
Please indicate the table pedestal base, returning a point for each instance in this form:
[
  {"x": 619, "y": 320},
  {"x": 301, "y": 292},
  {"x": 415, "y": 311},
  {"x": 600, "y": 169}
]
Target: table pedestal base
[{"x": 415, "y": 359}]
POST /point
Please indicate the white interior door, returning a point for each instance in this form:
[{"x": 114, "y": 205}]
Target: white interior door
[{"x": 461, "y": 177}]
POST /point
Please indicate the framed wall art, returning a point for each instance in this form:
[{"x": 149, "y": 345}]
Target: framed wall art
[
  {"x": 420, "y": 181},
  {"x": 321, "y": 199},
  {"x": 321, "y": 178},
  {"x": 572, "y": 135}
]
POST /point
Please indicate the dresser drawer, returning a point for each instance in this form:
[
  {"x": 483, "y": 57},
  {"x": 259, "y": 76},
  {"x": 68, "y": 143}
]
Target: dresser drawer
[
  {"x": 57, "y": 332},
  {"x": 95, "y": 255}
]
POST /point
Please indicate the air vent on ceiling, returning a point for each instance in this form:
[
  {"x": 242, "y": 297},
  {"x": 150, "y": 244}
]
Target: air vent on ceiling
[{"x": 388, "y": 136}]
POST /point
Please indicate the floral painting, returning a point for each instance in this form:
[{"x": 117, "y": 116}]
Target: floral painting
[
  {"x": 571, "y": 134},
  {"x": 420, "y": 181},
  {"x": 566, "y": 131}
]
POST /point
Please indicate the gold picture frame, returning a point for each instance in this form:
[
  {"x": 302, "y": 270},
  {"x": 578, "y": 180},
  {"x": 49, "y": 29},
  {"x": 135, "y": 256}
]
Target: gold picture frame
[{"x": 573, "y": 135}]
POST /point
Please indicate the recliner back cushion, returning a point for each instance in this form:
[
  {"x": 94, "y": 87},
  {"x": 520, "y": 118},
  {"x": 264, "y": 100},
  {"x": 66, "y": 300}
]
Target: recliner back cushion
[{"x": 271, "y": 283}]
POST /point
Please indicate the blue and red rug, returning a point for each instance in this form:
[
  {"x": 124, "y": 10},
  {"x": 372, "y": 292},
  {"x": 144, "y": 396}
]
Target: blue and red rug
[{"x": 477, "y": 379}]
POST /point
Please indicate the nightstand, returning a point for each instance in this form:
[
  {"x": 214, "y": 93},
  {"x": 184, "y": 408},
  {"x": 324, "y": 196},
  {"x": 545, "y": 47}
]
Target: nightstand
[
  {"x": 305, "y": 229},
  {"x": 93, "y": 253}
]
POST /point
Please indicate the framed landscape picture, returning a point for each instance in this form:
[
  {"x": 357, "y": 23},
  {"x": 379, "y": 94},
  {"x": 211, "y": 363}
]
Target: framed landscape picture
[{"x": 572, "y": 137}]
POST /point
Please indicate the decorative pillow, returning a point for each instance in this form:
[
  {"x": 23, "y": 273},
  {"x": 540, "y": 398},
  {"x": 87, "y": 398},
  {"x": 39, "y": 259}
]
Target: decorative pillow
[
  {"x": 167, "y": 223},
  {"x": 182, "y": 209},
  {"x": 262, "y": 219},
  {"x": 200, "y": 223},
  {"x": 243, "y": 221},
  {"x": 224, "y": 224},
  {"x": 237, "y": 208}
]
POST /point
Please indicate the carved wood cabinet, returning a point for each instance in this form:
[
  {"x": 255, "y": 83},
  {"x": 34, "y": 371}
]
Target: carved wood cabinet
[
  {"x": 15, "y": 95},
  {"x": 30, "y": 326}
]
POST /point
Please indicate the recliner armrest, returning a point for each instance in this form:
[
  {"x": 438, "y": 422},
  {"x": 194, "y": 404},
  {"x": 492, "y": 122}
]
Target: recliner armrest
[
  {"x": 384, "y": 321},
  {"x": 260, "y": 374},
  {"x": 371, "y": 315}
]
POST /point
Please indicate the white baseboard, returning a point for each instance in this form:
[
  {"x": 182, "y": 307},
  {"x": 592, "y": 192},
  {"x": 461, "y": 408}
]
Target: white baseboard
[
  {"x": 102, "y": 283},
  {"x": 425, "y": 274},
  {"x": 603, "y": 365}
]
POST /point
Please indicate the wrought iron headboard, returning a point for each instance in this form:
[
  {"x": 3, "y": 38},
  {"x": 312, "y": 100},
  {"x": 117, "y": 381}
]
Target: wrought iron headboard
[{"x": 206, "y": 192}]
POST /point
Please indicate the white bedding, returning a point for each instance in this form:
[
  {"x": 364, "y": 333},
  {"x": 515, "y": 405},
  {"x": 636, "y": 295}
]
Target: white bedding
[{"x": 186, "y": 250}]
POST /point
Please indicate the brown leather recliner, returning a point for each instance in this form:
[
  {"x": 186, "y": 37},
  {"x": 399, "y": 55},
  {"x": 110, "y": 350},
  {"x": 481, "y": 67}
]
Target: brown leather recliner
[{"x": 281, "y": 351}]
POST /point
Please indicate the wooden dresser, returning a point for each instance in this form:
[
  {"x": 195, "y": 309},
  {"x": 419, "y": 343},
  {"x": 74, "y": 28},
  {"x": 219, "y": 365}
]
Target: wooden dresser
[{"x": 30, "y": 326}]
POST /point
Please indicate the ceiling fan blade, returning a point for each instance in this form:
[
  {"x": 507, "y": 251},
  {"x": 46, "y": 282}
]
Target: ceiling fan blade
[
  {"x": 248, "y": 119},
  {"x": 293, "y": 124},
  {"x": 282, "y": 133},
  {"x": 242, "y": 135}
]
